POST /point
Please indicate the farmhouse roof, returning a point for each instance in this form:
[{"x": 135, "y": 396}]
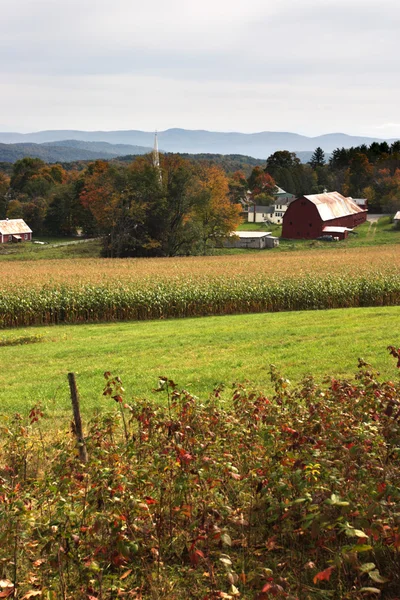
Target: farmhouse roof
[
  {"x": 333, "y": 205},
  {"x": 259, "y": 208},
  {"x": 14, "y": 227},
  {"x": 279, "y": 191}
]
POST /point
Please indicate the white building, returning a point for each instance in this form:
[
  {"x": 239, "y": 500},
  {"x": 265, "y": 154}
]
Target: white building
[
  {"x": 252, "y": 239},
  {"x": 273, "y": 213}
]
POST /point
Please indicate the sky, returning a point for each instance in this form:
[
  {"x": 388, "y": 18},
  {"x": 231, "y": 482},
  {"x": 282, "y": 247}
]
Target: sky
[{"x": 306, "y": 66}]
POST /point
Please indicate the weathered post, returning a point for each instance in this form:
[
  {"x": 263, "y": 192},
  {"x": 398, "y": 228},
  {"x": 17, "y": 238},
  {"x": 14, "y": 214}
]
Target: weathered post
[{"x": 77, "y": 418}]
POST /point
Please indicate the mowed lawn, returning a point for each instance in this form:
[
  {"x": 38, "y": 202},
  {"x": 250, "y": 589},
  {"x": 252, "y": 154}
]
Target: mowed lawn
[{"x": 196, "y": 353}]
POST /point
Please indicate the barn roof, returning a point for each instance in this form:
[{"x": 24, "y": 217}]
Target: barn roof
[
  {"x": 333, "y": 205},
  {"x": 14, "y": 227}
]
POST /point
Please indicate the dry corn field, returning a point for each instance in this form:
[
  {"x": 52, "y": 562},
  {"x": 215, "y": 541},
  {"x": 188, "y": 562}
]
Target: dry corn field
[{"x": 87, "y": 290}]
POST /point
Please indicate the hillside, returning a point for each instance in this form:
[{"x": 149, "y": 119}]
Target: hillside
[
  {"x": 259, "y": 145},
  {"x": 67, "y": 151}
]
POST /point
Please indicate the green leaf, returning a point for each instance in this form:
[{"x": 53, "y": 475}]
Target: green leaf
[
  {"x": 351, "y": 532},
  {"x": 334, "y": 500},
  {"x": 370, "y": 590},
  {"x": 366, "y": 567},
  {"x": 360, "y": 533},
  {"x": 361, "y": 548},
  {"x": 376, "y": 576},
  {"x": 226, "y": 539}
]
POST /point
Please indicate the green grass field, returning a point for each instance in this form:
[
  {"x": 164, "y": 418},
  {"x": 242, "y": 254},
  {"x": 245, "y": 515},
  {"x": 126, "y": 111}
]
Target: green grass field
[
  {"x": 51, "y": 250},
  {"x": 196, "y": 353}
]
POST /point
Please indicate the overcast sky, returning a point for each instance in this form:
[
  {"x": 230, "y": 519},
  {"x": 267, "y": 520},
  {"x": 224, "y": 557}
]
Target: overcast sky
[{"x": 307, "y": 66}]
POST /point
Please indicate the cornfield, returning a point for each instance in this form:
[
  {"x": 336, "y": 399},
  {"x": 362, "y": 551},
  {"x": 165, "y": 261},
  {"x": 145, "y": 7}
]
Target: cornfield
[
  {"x": 83, "y": 290},
  {"x": 190, "y": 297}
]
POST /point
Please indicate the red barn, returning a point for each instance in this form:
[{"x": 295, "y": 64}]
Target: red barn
[
  {"x": 310, "y": 217},
  {"x": 14, "y": 230}
]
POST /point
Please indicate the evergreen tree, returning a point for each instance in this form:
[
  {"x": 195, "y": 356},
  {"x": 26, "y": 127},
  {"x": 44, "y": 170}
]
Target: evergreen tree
[{"x": 318, "y": 158}]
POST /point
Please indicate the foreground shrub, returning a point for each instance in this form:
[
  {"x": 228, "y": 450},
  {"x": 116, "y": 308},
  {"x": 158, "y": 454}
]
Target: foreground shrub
[{"x": 291, "y": 496}]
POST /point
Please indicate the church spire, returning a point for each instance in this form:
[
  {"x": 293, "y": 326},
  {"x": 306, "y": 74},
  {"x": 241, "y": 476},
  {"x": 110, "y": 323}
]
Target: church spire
[{"x": 156, "y": 156}]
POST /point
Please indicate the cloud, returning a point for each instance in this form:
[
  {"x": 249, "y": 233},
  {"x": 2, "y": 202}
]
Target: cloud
[
  {"x": 302, "y": 63},
  {"x": 387, "y": 126}
]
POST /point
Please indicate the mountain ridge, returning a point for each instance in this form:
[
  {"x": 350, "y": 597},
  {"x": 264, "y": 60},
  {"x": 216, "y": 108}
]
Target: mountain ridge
[{"x": 258, "y": 145}]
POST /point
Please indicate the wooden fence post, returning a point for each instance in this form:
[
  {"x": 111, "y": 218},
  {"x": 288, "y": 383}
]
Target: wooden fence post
[{"x": 77, "y": 418}]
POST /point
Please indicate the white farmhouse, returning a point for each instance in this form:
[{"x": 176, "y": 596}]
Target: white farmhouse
[{"x": 273, "y": 213}]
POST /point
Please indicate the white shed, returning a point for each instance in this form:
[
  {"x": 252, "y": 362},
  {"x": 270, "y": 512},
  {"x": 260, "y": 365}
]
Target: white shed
[{"x": 252, "y": 239}]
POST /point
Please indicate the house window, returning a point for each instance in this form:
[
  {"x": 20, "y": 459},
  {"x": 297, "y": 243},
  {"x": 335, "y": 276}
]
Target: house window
[
  {"x": 26, "y": 236},
  {"x": 10, "y": 238}
]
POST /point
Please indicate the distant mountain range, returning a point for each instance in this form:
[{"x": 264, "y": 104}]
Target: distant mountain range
[
  {"x": 70, "y": 145},
  {"x": 67, "y": 150}
]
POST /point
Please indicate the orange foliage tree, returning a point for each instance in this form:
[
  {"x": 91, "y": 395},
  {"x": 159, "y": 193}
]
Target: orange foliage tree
[
  {"x": 100, "y": 196},
  {"x": 214, "y": 213}
]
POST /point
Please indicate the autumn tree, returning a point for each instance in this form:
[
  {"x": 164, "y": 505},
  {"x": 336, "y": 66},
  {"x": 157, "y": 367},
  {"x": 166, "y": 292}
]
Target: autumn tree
[
  {"x": 238, "y": 187},
  {"x": 262, "y": 186},
  {"x": 140, "y": 215},
  {"x": 182, "y": 208},
  {"x": 4, "y": 197},
  {"x": 14, "y": 209},
  {"x": 34, "y": 178},
  {"x": 98, "y": 194},
  {"x": 213, "y": 212},
  {"x": 358, "y": 175}
]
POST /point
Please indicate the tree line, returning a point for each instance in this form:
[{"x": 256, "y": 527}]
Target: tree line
[
  {"x": 139, "y": 209},
  {"x": 371, "y": 172}
]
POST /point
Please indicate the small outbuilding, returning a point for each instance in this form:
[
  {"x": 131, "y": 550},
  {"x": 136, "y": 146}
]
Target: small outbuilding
[
  {"x": 361, "y": 202},
  {"x": 252, "y": 239},
  {"x": 14, "y": 230},
  {"x": 396, "y": 219},
  {"x": 338, "y": 233},
  {"x": 309, "y": 216}
]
